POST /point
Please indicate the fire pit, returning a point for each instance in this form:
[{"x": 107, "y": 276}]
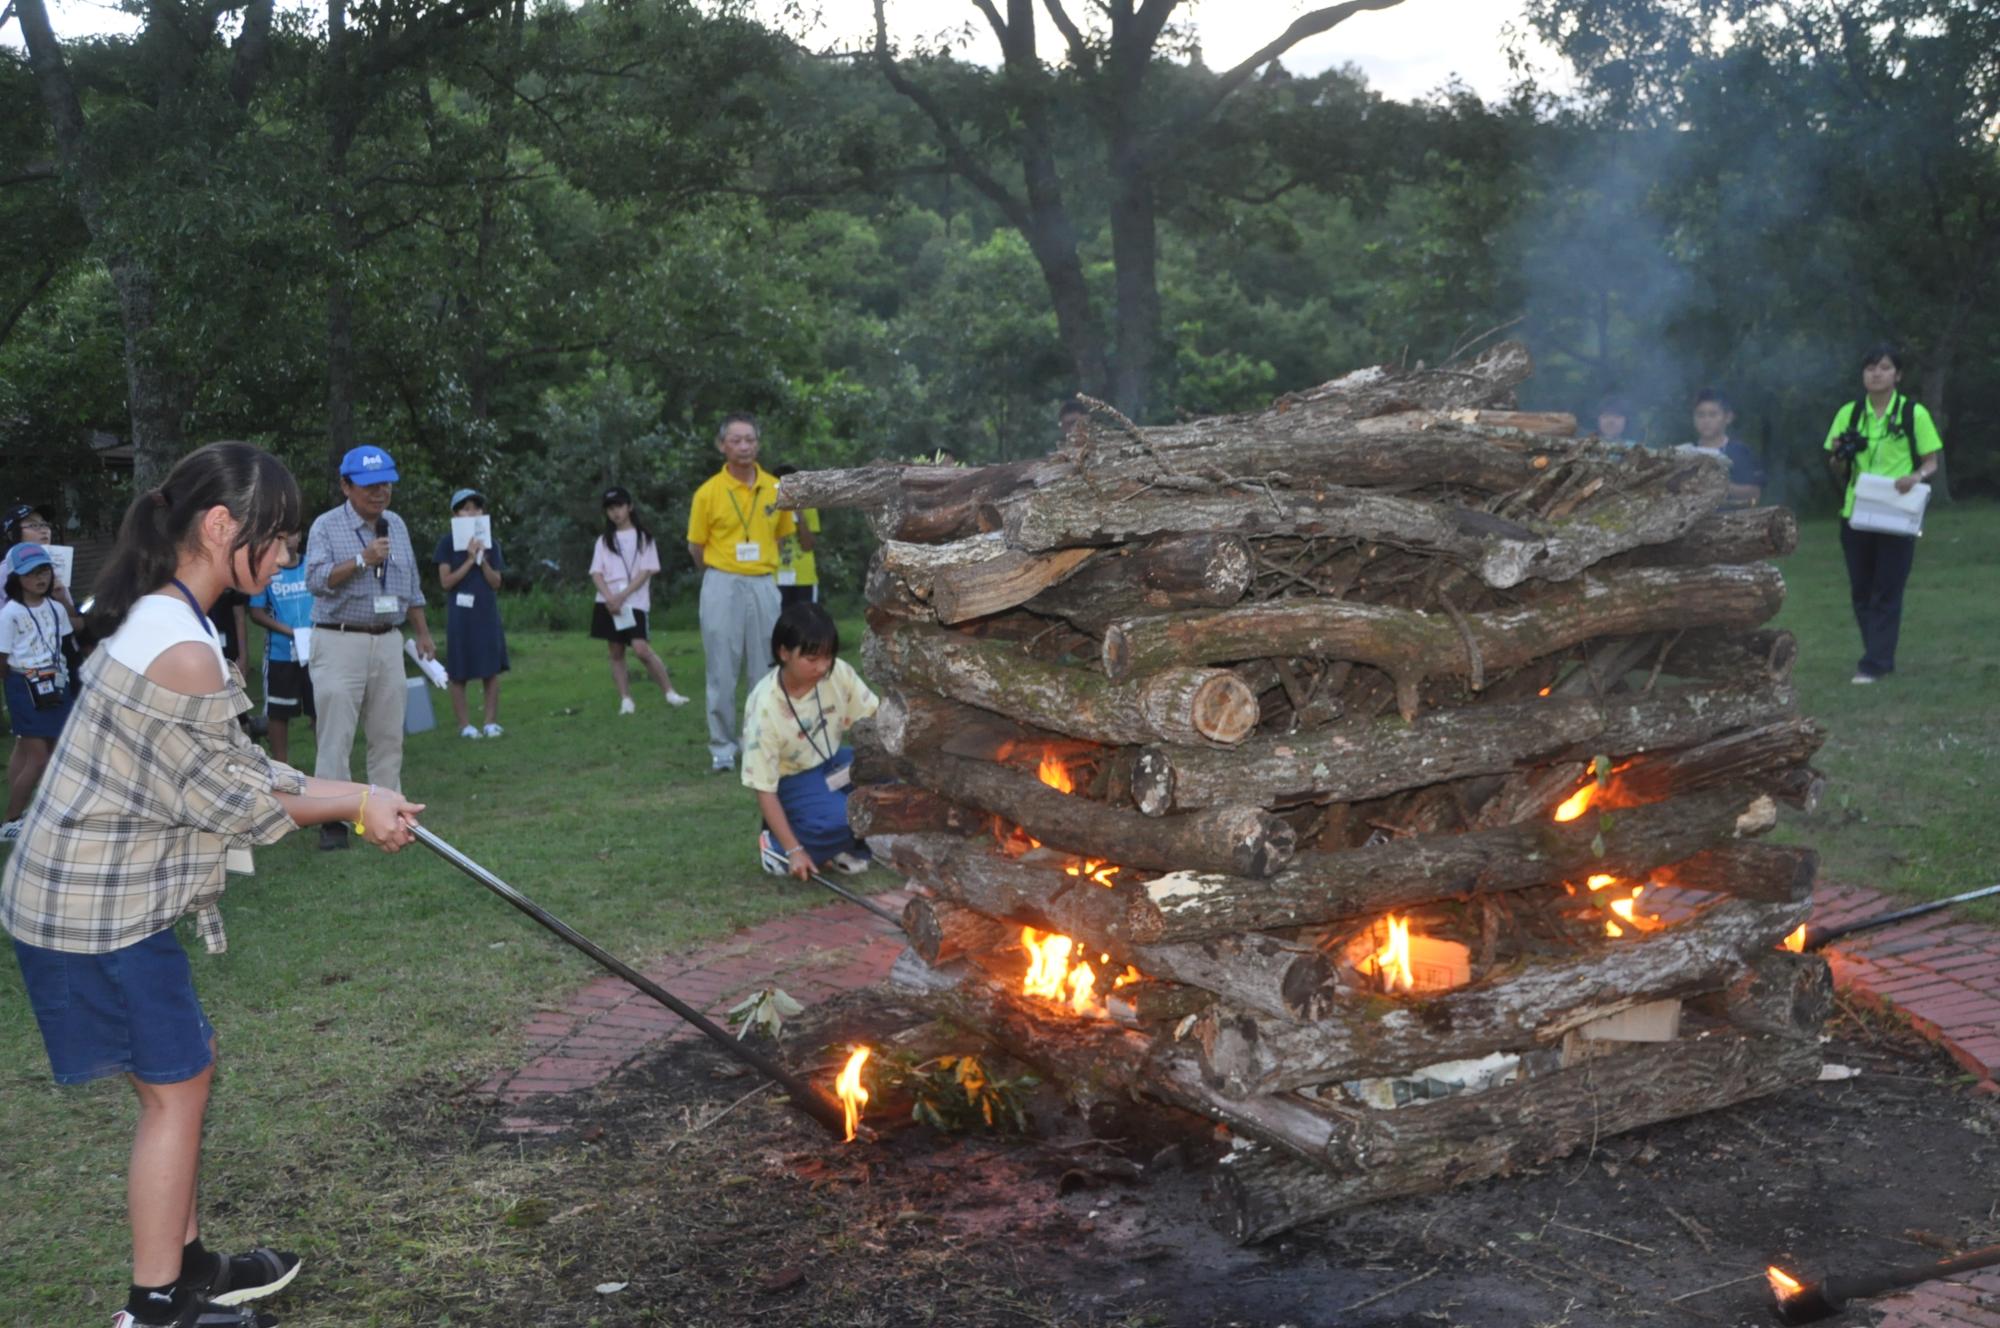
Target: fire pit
[{"x": 1379, "y": 776}]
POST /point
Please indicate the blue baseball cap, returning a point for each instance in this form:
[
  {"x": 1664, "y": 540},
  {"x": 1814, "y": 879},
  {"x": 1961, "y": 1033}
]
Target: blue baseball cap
[
  {"x": 368, "y": 465},
  {"x": 458, "y": 499},
  {"x": 25, "y": 558}
]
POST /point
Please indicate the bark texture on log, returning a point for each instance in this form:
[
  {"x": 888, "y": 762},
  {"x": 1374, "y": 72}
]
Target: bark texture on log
[
  {"x": 1412, "y": 646},
  {"x": 1751, "y": 756},
  {"x": 1354, "y": 762},
  {"x": 1783, "y": 994},
  {"x": 941, "y": 931},
  {"x": 1187, "y": 705},
  {"x": 1369, "y": 881},
  {"x": 1725, "y": 655},
  {"x": 1285, "y": 979},
  {"x": 906, "y": 809},
  {"x": 1743, "y": 535},
  {"x": 916, "y": 723},
  {"x": 1747, "y": 869},
  {"x": 1240, "y": 840},
  {"x": 1158, "y": 576},
  {"x": 1528, "y": 1006},
  {"x": 1001, "y": 583},
  {"x": 1259, "y": 1192}
]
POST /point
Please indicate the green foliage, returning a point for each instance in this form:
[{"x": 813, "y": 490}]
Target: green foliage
[{"x": 956, "y": 1093}]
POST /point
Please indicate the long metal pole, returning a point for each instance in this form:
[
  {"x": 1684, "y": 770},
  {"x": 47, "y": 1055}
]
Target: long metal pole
[
  {"x": 804, "y": 1096},
  {"x": 1828, "y": 1297},
  {"x": 1815, "y": 939}
]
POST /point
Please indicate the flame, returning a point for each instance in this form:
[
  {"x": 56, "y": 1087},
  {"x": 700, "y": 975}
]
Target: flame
[
  {"x": 1052, "y": 975},
  {"x": 1053, "y": 773},
  {"x": 853, "y": 1097},
  {"x": 1545, "y": 691},
  {"x": 1627, "y": 909},
  {"x": 1783, "y": 1285},
  {"x": 1577, "y": 803},
  {"x": 1599, "y": 882},
  {"x": 1393, "y": 960},
  {"x": 1094, "y": 868},
  {"x": 1796, "y": 943}
]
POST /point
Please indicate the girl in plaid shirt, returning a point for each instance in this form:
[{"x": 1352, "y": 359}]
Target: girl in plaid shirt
[{"x": 153, "y": 792}]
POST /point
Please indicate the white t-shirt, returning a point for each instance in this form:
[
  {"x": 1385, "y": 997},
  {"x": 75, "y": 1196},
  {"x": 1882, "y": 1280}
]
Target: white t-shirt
[
  {"x": 156, "y": 624},
  {"x": 623, "y": 568},
  {"x": 31, "y": 639}
]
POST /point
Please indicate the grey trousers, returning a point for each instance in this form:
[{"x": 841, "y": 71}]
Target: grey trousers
[
  {"x": 737, "y": 615},
  {"x": 358, "y": 681}
]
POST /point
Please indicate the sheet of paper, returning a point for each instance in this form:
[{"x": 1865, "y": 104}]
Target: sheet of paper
[
  {"x": 430, "y": 668},
  {"x": 302, "y": 644},
  {"x": 464, "y": 528},
  {"x": 1878, "y": 507},
  {"x": 63, "y": 559}
]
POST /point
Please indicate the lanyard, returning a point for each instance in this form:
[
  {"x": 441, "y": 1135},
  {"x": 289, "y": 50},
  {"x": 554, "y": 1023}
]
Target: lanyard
[
  {"x": 819, "y": 725},
  {"x": 55, "y": 655},
  {"x": 194, "y": 606},
  {"x": 619, "y": 550},
  {"x": 730, "y": 494}
]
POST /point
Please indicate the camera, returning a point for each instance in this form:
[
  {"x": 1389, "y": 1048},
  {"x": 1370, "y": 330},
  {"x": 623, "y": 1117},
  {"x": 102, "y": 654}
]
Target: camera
[{"x": 1849, "y": 446}]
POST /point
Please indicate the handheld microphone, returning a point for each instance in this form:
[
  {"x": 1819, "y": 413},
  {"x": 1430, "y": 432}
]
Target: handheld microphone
[{"x": 381, "y": 532}]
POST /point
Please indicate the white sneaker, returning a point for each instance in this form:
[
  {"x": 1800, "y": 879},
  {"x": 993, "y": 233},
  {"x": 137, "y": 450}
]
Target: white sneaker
[
  {"x": 851, "y": 863},
  {"x": 468, "y": 732},
  {"x": 674, "y": 698},
  {"x": 1861, "y": 679},
  {"x": 770, "y": 857},
  {"x": 625, "y": 707},
  {"x": 494, "y": 730},
  {"x": 10, "y": 832}
]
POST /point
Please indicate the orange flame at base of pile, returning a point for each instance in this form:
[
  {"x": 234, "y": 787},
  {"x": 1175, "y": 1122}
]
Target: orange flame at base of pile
[
  {"x": 1392, "y": 962},
  {"x": 1783, "y": 1285},
  {"x": 1577, "y": 803},
  {"x": 1796, "y": 942},
  {"x": 853, "y": 1097}
]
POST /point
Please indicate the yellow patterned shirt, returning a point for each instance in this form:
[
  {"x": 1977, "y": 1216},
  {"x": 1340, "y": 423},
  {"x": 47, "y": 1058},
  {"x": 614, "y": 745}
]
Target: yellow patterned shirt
[{"x": 785, "y": 735}]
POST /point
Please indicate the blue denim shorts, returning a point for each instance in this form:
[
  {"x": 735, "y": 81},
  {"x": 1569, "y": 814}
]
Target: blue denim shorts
[{"x": 131, "y": 1011}]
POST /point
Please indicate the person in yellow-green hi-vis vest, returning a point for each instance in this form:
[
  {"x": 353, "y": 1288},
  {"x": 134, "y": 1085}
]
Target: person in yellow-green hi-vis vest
[
  {"x": 1884, "y": 433},
  {"x": 798, "y": 565},
  {"x": 734, "y": 525}
]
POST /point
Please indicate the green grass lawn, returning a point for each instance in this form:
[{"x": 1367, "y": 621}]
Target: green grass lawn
[
  {"x": 1913, "y": 762},
  {"x": 363, "y": 994}
]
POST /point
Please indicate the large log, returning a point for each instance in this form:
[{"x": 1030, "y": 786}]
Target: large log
[
  {"x": 1411, "y": 645},
  {"x": 1753, "y": 755},
  {"x": 906, "y": 809},
  {"x": 941, "y": 931},
  {"x": 1721, "y": 654},
  {"x": 913, "y": 723},
  {"x": 1741, "y": 535},
  {"x": 1366, "y": 882},
  {"x": 1782, "y": 994},
  {"x": 1747, "y": 869},
  {"x": 1242, "y": 840},
  {"x": 1186, "y": 705},
  {"x": 1161, "y": 575},
  {"x": 1259, "y": 1192},
  {"x": 1285, "y": 979},
  {"x": 1370, "y": 759},
  {"x": 1533, "y": 1004},
  {"x": 1500, "y": 552}
]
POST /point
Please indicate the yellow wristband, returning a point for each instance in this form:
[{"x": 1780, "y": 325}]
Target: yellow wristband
[{"x": 361, "y": 812}]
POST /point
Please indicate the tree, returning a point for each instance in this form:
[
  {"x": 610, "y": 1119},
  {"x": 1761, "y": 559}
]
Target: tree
[{"x": 1144, "y": 125}]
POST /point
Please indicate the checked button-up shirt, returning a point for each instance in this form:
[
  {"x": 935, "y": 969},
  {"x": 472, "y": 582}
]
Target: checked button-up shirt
[{"x": 337, "y": 537}]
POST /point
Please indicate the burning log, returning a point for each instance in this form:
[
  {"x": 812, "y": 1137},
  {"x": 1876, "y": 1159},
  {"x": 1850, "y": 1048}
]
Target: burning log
[
  {"x": 1285, "y": 979},
  {"x": 907, "y": 809},
  {"x": 940, "y": 931},
  {"x": 1366, "y": 882},
  {"x": 1186, "y": 705},
  {"x": 1535, "y": 1005},
  {"x": 1259, "y": 1192},
  {"x": 1241, "y": 840},
  {"x": 1371, "y": 759},
  {"x": 914, "y": 723},
  {"x": 1411, "y": 646}
]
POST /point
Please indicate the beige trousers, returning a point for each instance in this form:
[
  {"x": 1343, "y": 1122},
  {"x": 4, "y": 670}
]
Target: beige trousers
[{"x": 358, "y": 679}]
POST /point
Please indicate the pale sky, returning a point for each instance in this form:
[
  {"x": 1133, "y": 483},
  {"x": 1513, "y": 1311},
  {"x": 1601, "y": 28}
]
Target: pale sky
[{"x": 1406, "y": 52}]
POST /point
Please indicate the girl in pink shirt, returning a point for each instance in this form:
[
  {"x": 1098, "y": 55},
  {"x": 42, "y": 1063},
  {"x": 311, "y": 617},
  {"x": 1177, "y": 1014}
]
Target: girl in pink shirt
[{"x": 622, "y": 564}]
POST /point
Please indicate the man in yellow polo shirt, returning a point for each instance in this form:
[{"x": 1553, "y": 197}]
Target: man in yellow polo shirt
[{"x": 734, "y": 526}]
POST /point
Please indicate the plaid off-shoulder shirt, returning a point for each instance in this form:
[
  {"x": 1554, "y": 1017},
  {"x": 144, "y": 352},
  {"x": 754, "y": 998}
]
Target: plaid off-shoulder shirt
[{"x": 146, "y": 793}]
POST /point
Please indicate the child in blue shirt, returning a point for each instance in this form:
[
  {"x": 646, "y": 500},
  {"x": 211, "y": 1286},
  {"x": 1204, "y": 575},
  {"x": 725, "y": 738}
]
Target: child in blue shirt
[{"x": 283, "y": 607}]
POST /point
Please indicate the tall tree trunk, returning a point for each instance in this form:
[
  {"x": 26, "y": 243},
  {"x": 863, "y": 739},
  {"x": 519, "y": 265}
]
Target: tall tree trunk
[{"x": 159, "y": 393}]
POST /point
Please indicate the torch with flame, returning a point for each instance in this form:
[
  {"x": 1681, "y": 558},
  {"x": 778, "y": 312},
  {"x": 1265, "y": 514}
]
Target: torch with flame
[{"x": 853, "y": 1097}]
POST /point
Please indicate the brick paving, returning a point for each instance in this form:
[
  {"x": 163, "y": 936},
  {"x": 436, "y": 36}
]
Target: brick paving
[{"x": 1940, "y": 971}]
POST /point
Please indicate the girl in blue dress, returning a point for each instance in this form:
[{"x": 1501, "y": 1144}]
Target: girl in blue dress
[{"x": 475, "y": 643}]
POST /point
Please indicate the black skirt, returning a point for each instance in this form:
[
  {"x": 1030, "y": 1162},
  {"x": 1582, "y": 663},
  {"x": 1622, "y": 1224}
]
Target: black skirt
[{"x": 602, "y": 630}]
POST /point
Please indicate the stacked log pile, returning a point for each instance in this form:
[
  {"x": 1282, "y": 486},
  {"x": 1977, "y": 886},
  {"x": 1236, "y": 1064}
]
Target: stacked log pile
[{"x": 1220, "y": 701}]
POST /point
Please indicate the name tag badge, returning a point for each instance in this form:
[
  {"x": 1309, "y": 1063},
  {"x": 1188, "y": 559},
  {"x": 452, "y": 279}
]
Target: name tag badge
[
  {"x": 237, "y": 861},
  {"x": 749, "y": 551},
  {"x": 840, "y": 778},
  {"x": 465, "y": 600},
  {"x": 788, "y": 577},
  {"x": 388, "y": 604}
]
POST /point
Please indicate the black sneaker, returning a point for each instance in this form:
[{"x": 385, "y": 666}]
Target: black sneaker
[
  {"x": 252, "y": 1276},
  {"x": 204, "y": 1314},
  {"x": 332, "y": 837}
]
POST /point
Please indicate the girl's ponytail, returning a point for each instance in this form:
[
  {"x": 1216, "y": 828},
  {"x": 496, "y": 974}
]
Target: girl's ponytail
[{"x": 252, "y": 484}]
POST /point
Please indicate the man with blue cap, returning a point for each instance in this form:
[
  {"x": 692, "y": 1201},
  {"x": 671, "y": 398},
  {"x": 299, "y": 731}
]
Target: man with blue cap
[{"x": 362, "y": 573}]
